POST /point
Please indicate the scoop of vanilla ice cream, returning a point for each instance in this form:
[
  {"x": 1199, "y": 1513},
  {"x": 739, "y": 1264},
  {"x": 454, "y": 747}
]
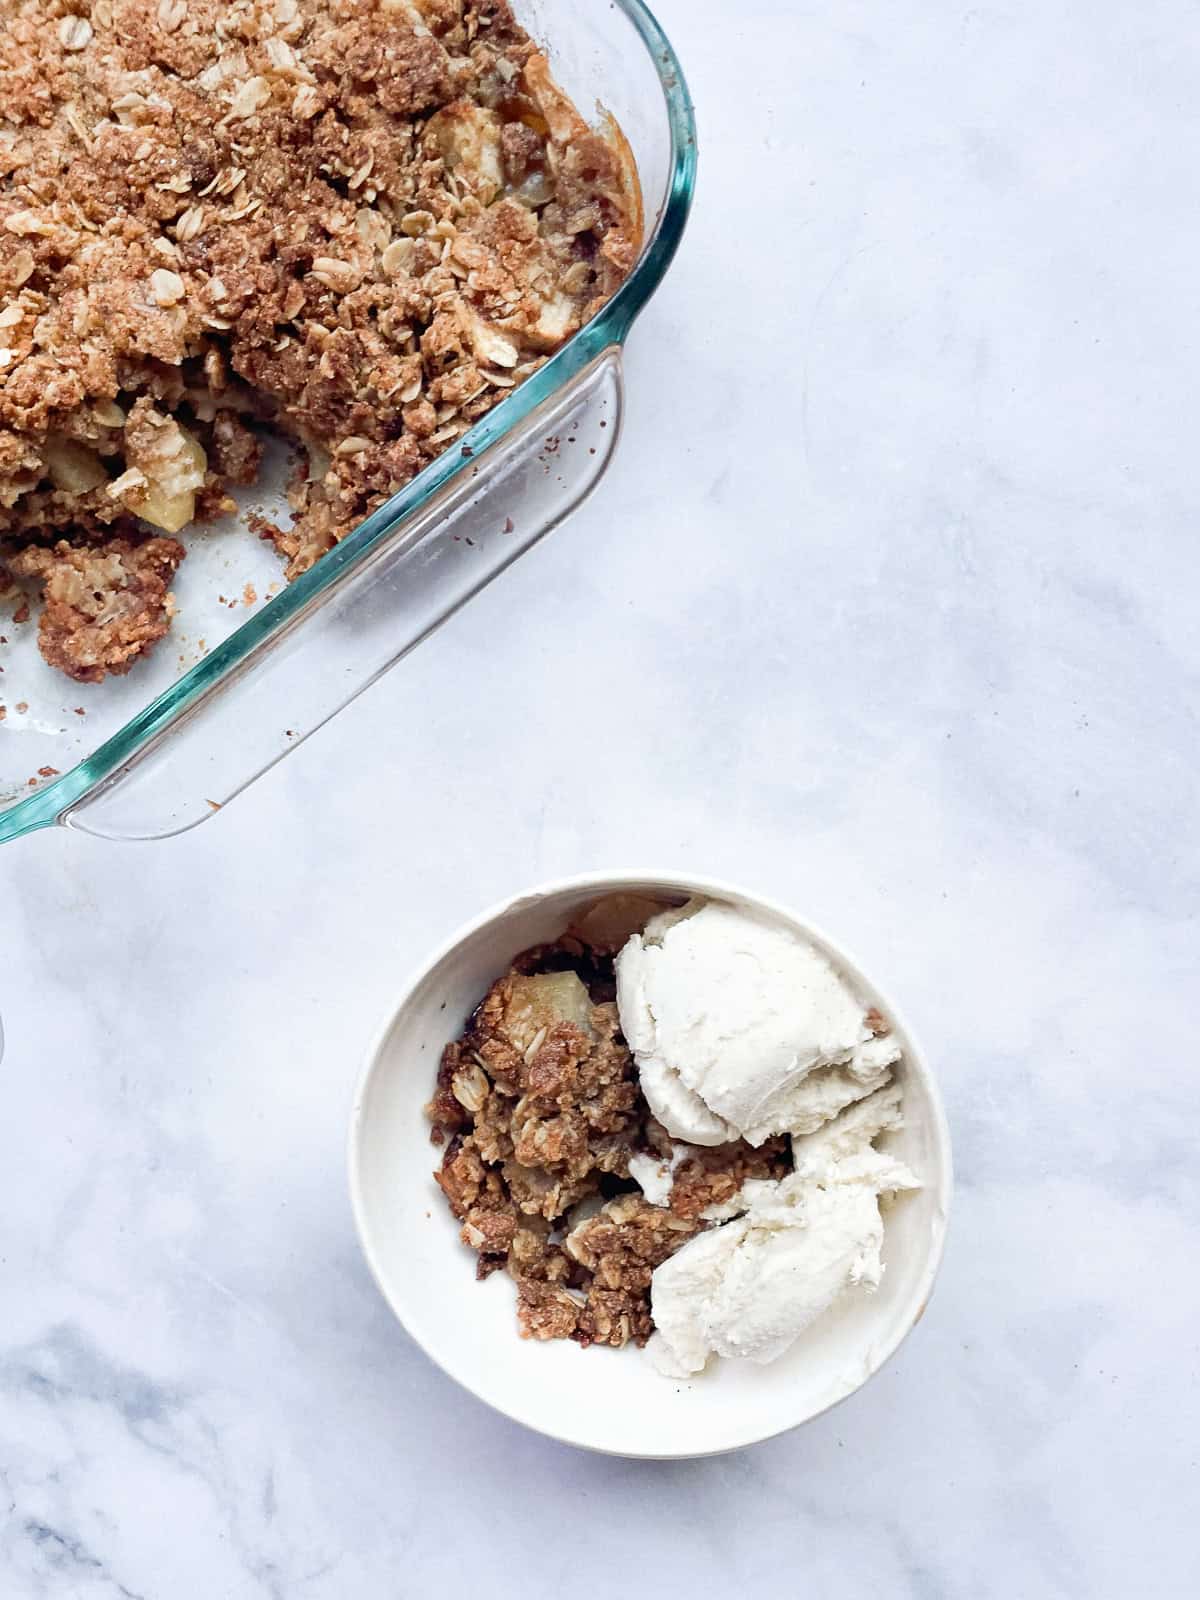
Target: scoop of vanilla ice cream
[
  {"x": 741, "y": 1028},
  {"x": 751, "y": 1287}
]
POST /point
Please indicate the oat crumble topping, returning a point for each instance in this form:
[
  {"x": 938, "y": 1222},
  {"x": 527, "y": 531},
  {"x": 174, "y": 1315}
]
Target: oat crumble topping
[
  {"x": 359, "y": 223},
  {"x": 105, "y": 603}
]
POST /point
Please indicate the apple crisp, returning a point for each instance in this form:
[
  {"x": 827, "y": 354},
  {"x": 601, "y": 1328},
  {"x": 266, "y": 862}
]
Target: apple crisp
[
  {"x": 539, "y": 1110},
  {"x": 359, "y": 223}
]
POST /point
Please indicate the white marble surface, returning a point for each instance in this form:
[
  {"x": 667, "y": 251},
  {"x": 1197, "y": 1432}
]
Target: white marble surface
[{"x": 887, "y": 608}]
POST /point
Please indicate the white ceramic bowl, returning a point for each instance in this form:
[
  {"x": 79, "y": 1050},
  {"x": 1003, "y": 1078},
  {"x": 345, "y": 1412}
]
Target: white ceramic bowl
[{"x": 602, "y": 1399}]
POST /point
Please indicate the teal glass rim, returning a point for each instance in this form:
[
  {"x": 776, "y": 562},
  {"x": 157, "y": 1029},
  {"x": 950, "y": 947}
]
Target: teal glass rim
[{"x": 288, "y": 609}]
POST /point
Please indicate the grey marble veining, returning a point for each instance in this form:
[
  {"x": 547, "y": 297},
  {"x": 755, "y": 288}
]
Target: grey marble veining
[{"x": 891, "y": 597}]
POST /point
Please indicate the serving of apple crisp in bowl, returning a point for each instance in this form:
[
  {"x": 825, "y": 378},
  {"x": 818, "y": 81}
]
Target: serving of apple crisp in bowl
[{"x": 682, "y": 1140}]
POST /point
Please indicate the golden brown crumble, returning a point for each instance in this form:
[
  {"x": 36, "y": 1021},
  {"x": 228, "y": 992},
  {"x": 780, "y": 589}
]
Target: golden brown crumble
[
  {"x": 712, "y": 1175},
  {"x": 106, "y": 604},
  {"x": 539, "y": 1108},
  {"x": 359, "y": 223}
]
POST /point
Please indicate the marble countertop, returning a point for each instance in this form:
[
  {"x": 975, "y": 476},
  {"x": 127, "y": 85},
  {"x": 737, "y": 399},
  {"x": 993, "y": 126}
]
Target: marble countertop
[{"x": 887, "y": 608}]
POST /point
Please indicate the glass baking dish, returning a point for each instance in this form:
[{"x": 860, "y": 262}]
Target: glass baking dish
[{"x": 225, "y": 702}]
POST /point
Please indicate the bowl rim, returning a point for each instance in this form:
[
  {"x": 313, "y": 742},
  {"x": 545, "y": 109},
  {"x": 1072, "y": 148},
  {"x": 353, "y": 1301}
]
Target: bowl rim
[{"x": 610, "y": 880}]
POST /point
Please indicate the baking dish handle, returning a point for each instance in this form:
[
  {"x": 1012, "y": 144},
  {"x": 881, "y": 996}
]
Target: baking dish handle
[{"x": 498, "y": 506}]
